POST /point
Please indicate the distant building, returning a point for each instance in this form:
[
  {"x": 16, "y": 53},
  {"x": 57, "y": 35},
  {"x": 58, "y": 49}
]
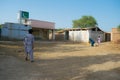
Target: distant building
[
  {"x": 42, "y": 28},
  {"x": 83, "y": 34},
  {"x": 17, "y": 31}
]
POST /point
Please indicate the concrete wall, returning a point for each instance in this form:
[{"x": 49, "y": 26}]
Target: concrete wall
[
  {"x": 83, "y": 35},
  {"x": 14, "y": 31},
  {"x": 94, "y": 35},
  {"x": 79, "y": 36}
]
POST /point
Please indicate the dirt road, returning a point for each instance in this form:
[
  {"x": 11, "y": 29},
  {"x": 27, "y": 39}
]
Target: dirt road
[{"x": 60, "y": 61}]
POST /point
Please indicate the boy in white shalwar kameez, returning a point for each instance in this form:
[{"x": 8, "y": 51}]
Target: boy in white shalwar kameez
[
  {"x": 29, "y": 45},
  {"x": 98, "y": 40}
]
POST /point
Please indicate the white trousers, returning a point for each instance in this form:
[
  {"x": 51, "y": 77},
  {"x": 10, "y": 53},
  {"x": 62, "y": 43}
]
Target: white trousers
[{"x": 29, "y": 52}]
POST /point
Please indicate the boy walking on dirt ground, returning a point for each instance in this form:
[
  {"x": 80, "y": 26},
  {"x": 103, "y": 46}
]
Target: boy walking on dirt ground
[{"x": 29, "y": 45}]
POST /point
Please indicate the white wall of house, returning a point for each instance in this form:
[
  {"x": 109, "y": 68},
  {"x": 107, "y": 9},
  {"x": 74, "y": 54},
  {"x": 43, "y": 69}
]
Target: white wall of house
[
  {"x": 79, "y": 36},
  {"x": 83, "y": 35},
  {"x": 14, "y": 30}
]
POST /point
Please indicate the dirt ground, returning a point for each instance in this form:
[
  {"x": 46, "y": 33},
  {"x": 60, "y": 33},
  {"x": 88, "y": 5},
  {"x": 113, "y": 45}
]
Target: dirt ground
[{"x": 60, "y": 61}]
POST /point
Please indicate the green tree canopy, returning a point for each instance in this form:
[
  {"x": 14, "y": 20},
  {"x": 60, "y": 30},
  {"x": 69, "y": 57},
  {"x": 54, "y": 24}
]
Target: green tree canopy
[
  {"x": 0, "y": 26},
  {"x": 85, "y": 21},
  {"x": 119, "y": 26}
]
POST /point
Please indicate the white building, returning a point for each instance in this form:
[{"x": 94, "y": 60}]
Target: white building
[
  {"x": 83, "y": 34},
  {"x": 14, "y": 31},
  {"x": 17, "y": 31}
]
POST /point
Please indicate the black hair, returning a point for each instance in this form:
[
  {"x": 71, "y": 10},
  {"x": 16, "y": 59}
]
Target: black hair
[{"x": 30, "y": 31}]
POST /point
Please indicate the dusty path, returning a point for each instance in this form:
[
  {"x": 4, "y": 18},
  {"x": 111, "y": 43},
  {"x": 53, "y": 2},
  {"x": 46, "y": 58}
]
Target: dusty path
[{"x": 60, "y": 61}]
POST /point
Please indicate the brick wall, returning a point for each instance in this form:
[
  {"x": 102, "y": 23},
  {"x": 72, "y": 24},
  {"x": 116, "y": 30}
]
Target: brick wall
[{"x": 115, "y": 35}]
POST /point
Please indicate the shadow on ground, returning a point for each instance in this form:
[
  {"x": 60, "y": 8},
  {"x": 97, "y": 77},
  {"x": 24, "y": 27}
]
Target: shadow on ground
[{"x": 74, "y": 68}]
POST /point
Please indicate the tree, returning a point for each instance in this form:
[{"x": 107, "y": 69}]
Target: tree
[
  {"x": 0, "y": 30},
  {"x": 85, "y": 21},
  {"x": 0, "y": 26},
  {"x": 119, "y": 26}
]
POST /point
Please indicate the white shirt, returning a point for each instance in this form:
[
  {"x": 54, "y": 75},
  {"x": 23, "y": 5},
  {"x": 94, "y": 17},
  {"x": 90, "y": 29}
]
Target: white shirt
[{"x": 29, "y": 40}]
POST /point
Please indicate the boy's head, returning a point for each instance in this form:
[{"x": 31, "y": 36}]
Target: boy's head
[{"x": 30, "y": 31}]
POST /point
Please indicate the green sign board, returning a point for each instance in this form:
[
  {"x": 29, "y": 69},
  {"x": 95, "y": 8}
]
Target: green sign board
[{"x": 25, "y": 14}]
